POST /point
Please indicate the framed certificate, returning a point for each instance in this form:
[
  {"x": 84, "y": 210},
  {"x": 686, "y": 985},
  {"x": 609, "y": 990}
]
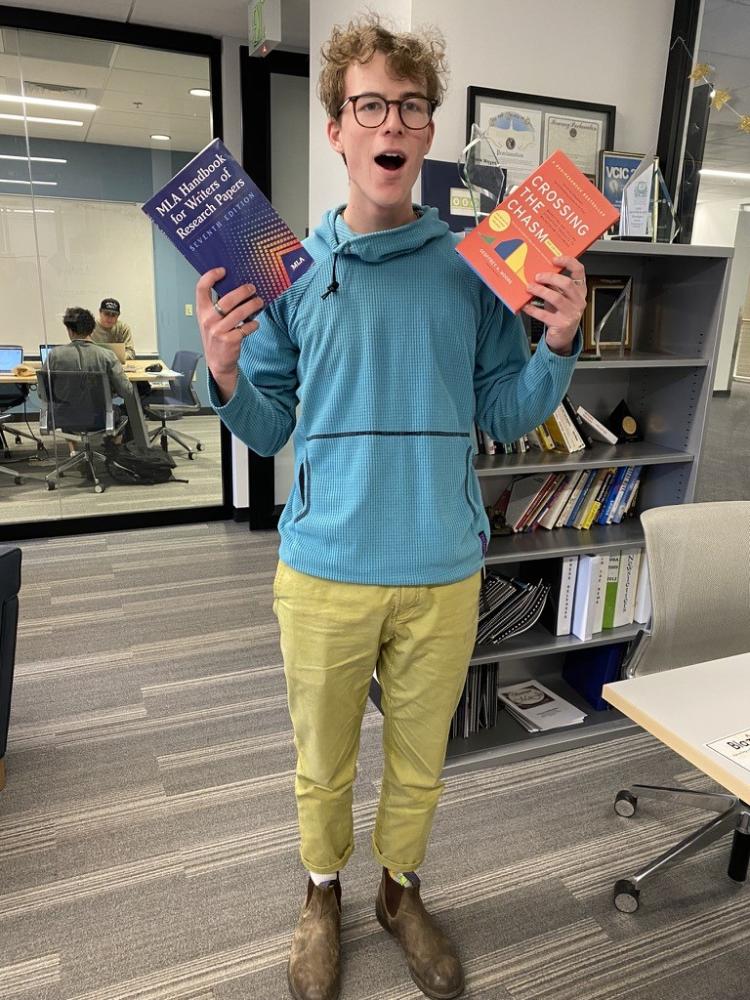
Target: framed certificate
[{"x": 527, "y": 129}]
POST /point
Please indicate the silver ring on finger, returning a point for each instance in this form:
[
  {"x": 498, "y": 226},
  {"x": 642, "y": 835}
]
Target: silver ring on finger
[
  {"x": 579, "y": 281},
  {"x": 219, "y": 310}
]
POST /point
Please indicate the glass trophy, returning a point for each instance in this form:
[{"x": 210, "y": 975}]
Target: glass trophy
[
  {"x": 647, "y": 211},
  {"x": 481, "y": 174}
]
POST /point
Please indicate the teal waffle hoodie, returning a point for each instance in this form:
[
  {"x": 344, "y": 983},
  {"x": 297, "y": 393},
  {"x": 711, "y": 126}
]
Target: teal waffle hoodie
[{"x": 390, "y": 370}]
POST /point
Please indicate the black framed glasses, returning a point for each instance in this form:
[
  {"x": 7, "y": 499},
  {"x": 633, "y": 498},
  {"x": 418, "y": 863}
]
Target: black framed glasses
[{"x": 371, "y": 110}]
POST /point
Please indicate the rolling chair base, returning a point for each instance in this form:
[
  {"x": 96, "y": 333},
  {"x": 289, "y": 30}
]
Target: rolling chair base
[
  {"x": 5, "y": 471},
  {"x": 84, "y": 457},
  {"x": 163, "y": 433},
  {"x": 731, "y": 812}
]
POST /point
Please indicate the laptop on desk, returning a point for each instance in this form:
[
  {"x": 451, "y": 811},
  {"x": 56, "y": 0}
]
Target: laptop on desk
[
  {"x": 10, "y": 358},
  {"x": 44, "y": 350}
]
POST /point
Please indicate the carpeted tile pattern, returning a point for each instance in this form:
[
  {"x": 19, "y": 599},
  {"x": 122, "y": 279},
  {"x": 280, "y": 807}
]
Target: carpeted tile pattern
[{"x": 148, "y": 839}]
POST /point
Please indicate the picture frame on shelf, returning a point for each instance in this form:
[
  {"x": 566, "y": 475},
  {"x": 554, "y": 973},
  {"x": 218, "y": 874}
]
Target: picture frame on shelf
[
  {"x": 528, "y": 128},
  {"x": 613, "y": 172},
  {"x": 608, "y": 316}
]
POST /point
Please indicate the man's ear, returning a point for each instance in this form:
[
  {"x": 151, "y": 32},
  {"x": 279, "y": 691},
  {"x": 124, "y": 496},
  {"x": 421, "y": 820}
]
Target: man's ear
[
  {"x": 430, "y": 137},
  {"x": 333, "y": 131}
]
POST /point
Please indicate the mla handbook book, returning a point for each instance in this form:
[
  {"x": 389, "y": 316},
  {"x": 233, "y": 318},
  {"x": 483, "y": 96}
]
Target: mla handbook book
[
  {"x": 555, "y": 212},
  {"x": 217, "y": 217}
]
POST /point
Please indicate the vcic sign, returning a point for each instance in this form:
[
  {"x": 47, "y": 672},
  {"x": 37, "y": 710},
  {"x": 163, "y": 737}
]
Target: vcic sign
[{"x": 264, "y": 26}]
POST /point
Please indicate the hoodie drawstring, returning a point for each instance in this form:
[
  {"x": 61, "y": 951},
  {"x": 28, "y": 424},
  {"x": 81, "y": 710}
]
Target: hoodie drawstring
[{"x": 334, "y": 285}]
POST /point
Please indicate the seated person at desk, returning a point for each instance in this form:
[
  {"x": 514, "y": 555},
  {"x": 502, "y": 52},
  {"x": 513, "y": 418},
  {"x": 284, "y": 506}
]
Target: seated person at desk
[
  {"x": 109, "y": 329},
  {"x": 82, "y": 354}
]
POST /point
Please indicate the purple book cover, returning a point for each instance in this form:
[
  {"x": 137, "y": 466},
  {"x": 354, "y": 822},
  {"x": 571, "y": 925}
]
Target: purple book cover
[{"x": 217, "y": 217}]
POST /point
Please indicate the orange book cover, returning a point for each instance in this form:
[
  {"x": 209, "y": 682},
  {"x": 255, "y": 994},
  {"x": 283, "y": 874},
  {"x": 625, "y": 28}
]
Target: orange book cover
[{"x": 555, "y": 212}]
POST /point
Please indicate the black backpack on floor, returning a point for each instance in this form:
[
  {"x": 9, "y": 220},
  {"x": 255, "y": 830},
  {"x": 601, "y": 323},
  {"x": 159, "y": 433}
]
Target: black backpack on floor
[{"x": 131, "y": 465}]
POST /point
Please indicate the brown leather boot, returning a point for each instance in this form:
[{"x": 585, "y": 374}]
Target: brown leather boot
[
  {"x": 433, "y": 963},
  {"x": 314, "y": 962}
]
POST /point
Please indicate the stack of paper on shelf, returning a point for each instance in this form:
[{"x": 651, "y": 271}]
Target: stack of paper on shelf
[
  {"x": 537, "y": 708},
  {"x": 508, "y": 607}
]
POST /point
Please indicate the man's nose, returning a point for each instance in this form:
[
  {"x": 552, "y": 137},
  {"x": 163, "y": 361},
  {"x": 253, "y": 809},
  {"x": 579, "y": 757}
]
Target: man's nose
[{"x": 393, "y": 118}]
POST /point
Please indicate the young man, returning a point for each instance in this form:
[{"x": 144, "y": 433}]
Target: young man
[
  {"x": 392, "y": 347},
  {"x": 111, "y": 330}
]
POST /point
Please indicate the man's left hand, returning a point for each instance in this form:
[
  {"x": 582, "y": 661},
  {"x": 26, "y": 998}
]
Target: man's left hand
[{"x": 565, "y": 298}]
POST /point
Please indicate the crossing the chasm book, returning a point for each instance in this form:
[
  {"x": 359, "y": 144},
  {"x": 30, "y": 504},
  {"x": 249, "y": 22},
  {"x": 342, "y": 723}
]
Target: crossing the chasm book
[
  {"x": 555, "y": 212},
  {"x": 217, "y": 217}
]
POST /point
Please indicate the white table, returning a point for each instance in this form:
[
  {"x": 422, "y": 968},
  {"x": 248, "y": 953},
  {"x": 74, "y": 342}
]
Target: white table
[
  {"x": 686, "y": 708},
  {"x": 690, "y": 706}
]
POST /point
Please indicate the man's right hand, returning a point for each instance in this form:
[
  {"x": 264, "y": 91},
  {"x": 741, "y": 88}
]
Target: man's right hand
[{"x": 222, "y": 335}]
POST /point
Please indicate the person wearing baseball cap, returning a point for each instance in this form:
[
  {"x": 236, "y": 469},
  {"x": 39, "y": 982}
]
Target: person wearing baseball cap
[{"x": 110, "y": 330}]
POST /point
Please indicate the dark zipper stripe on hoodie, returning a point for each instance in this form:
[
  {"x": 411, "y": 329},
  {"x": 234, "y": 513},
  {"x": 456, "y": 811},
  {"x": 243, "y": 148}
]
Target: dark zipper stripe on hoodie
[{"x": 345, "y": 434}]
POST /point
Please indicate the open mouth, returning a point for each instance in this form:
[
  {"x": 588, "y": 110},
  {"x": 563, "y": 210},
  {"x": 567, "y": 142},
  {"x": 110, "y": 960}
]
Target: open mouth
[{"x": 390, "y": 161}]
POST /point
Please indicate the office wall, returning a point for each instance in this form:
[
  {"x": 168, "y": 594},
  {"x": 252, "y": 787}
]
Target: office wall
[
  {"x": 78, "y": 252},
  {"x": 100, "y": 243},
  {"x": 587, "y": 50}
]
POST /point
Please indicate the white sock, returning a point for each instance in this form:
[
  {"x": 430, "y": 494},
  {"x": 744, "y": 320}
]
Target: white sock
[{"x": 320, "y": 879}]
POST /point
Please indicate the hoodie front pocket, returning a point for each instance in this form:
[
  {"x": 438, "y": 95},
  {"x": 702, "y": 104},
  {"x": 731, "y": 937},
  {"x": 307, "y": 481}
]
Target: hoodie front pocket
[
  {"x": 303, "y": 490},
  {"x": 470, "y": 482}
]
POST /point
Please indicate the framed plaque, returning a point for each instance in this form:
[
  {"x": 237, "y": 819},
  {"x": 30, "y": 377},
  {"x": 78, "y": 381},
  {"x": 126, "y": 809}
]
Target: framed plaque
[{"x": 527, "y": 129}]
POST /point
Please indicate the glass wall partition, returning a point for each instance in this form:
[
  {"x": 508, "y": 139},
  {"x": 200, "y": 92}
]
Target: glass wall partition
[{"x": 102, "y": 355}]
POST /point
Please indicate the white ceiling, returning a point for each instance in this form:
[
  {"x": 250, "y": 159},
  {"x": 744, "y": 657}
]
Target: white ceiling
[
  {"x": 139, "y": 91},
  {"x": 217, "y": 18},
  {"x": 725, "y": 45}
]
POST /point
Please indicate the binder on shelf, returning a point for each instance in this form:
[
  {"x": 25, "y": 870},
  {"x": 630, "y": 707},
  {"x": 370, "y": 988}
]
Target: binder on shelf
[
  {"x": 642, "y": 613},
  {"x": 583, "y": 601},
  {"x": 599, "y": 583},
  {"x": 610, "y": 593},
  {"x": 588, "y": 670},
  {"x": 560, "y": 576},
  {"x": 627, "y": 582}
]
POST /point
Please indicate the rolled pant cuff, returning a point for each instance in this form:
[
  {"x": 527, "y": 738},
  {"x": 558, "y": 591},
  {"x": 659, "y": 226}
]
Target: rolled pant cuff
[
  {"x": 328, "y": 866},
  {"x": 393, "y": 864}
]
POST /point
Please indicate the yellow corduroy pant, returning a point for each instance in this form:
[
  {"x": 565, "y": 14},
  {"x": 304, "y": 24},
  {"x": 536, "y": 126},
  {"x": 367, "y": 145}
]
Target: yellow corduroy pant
[{"x": 333, "y": 636}]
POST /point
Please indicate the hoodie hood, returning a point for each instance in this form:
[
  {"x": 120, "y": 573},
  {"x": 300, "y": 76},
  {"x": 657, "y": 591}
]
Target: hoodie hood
[{"x": 386, "y": 243}]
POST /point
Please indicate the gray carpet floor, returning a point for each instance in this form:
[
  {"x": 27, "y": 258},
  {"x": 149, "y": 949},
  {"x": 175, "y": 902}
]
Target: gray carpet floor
[
  {"x": 148, "y": 843},
  {"x": 31, "y": 501}
]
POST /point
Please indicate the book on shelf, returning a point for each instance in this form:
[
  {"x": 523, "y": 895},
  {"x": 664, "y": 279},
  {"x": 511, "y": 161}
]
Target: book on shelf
[
  {"x": 583, "y": 433},
  {"x": 537, "y": 708},
  {"x": 580, "y": 500},
  {"x": 563, "y": 431},
  {"x": 595, "y": 428},
  {"x": 523, "y": 494},
  {"x": 549, "y": 517},
  {"x": 216, "y": 217},
  {"x": 555, "y": 212}
]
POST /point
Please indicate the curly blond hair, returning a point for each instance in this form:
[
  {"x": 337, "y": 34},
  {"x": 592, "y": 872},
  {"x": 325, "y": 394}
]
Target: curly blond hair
[{"x": 408, "y": 56}]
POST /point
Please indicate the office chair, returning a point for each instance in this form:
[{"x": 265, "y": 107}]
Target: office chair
[
  {"x": 12, "y": 395},
  {"x": 173, "y": 403},
  {"x": 699, "y": 567},
  {"x": 10, "y": 584},
  {"x": 78, "y": 404}
]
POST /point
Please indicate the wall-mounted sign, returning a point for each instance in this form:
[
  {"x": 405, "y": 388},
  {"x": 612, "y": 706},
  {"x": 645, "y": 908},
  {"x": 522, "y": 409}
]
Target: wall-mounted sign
[{"x": 264, "y": 26}]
